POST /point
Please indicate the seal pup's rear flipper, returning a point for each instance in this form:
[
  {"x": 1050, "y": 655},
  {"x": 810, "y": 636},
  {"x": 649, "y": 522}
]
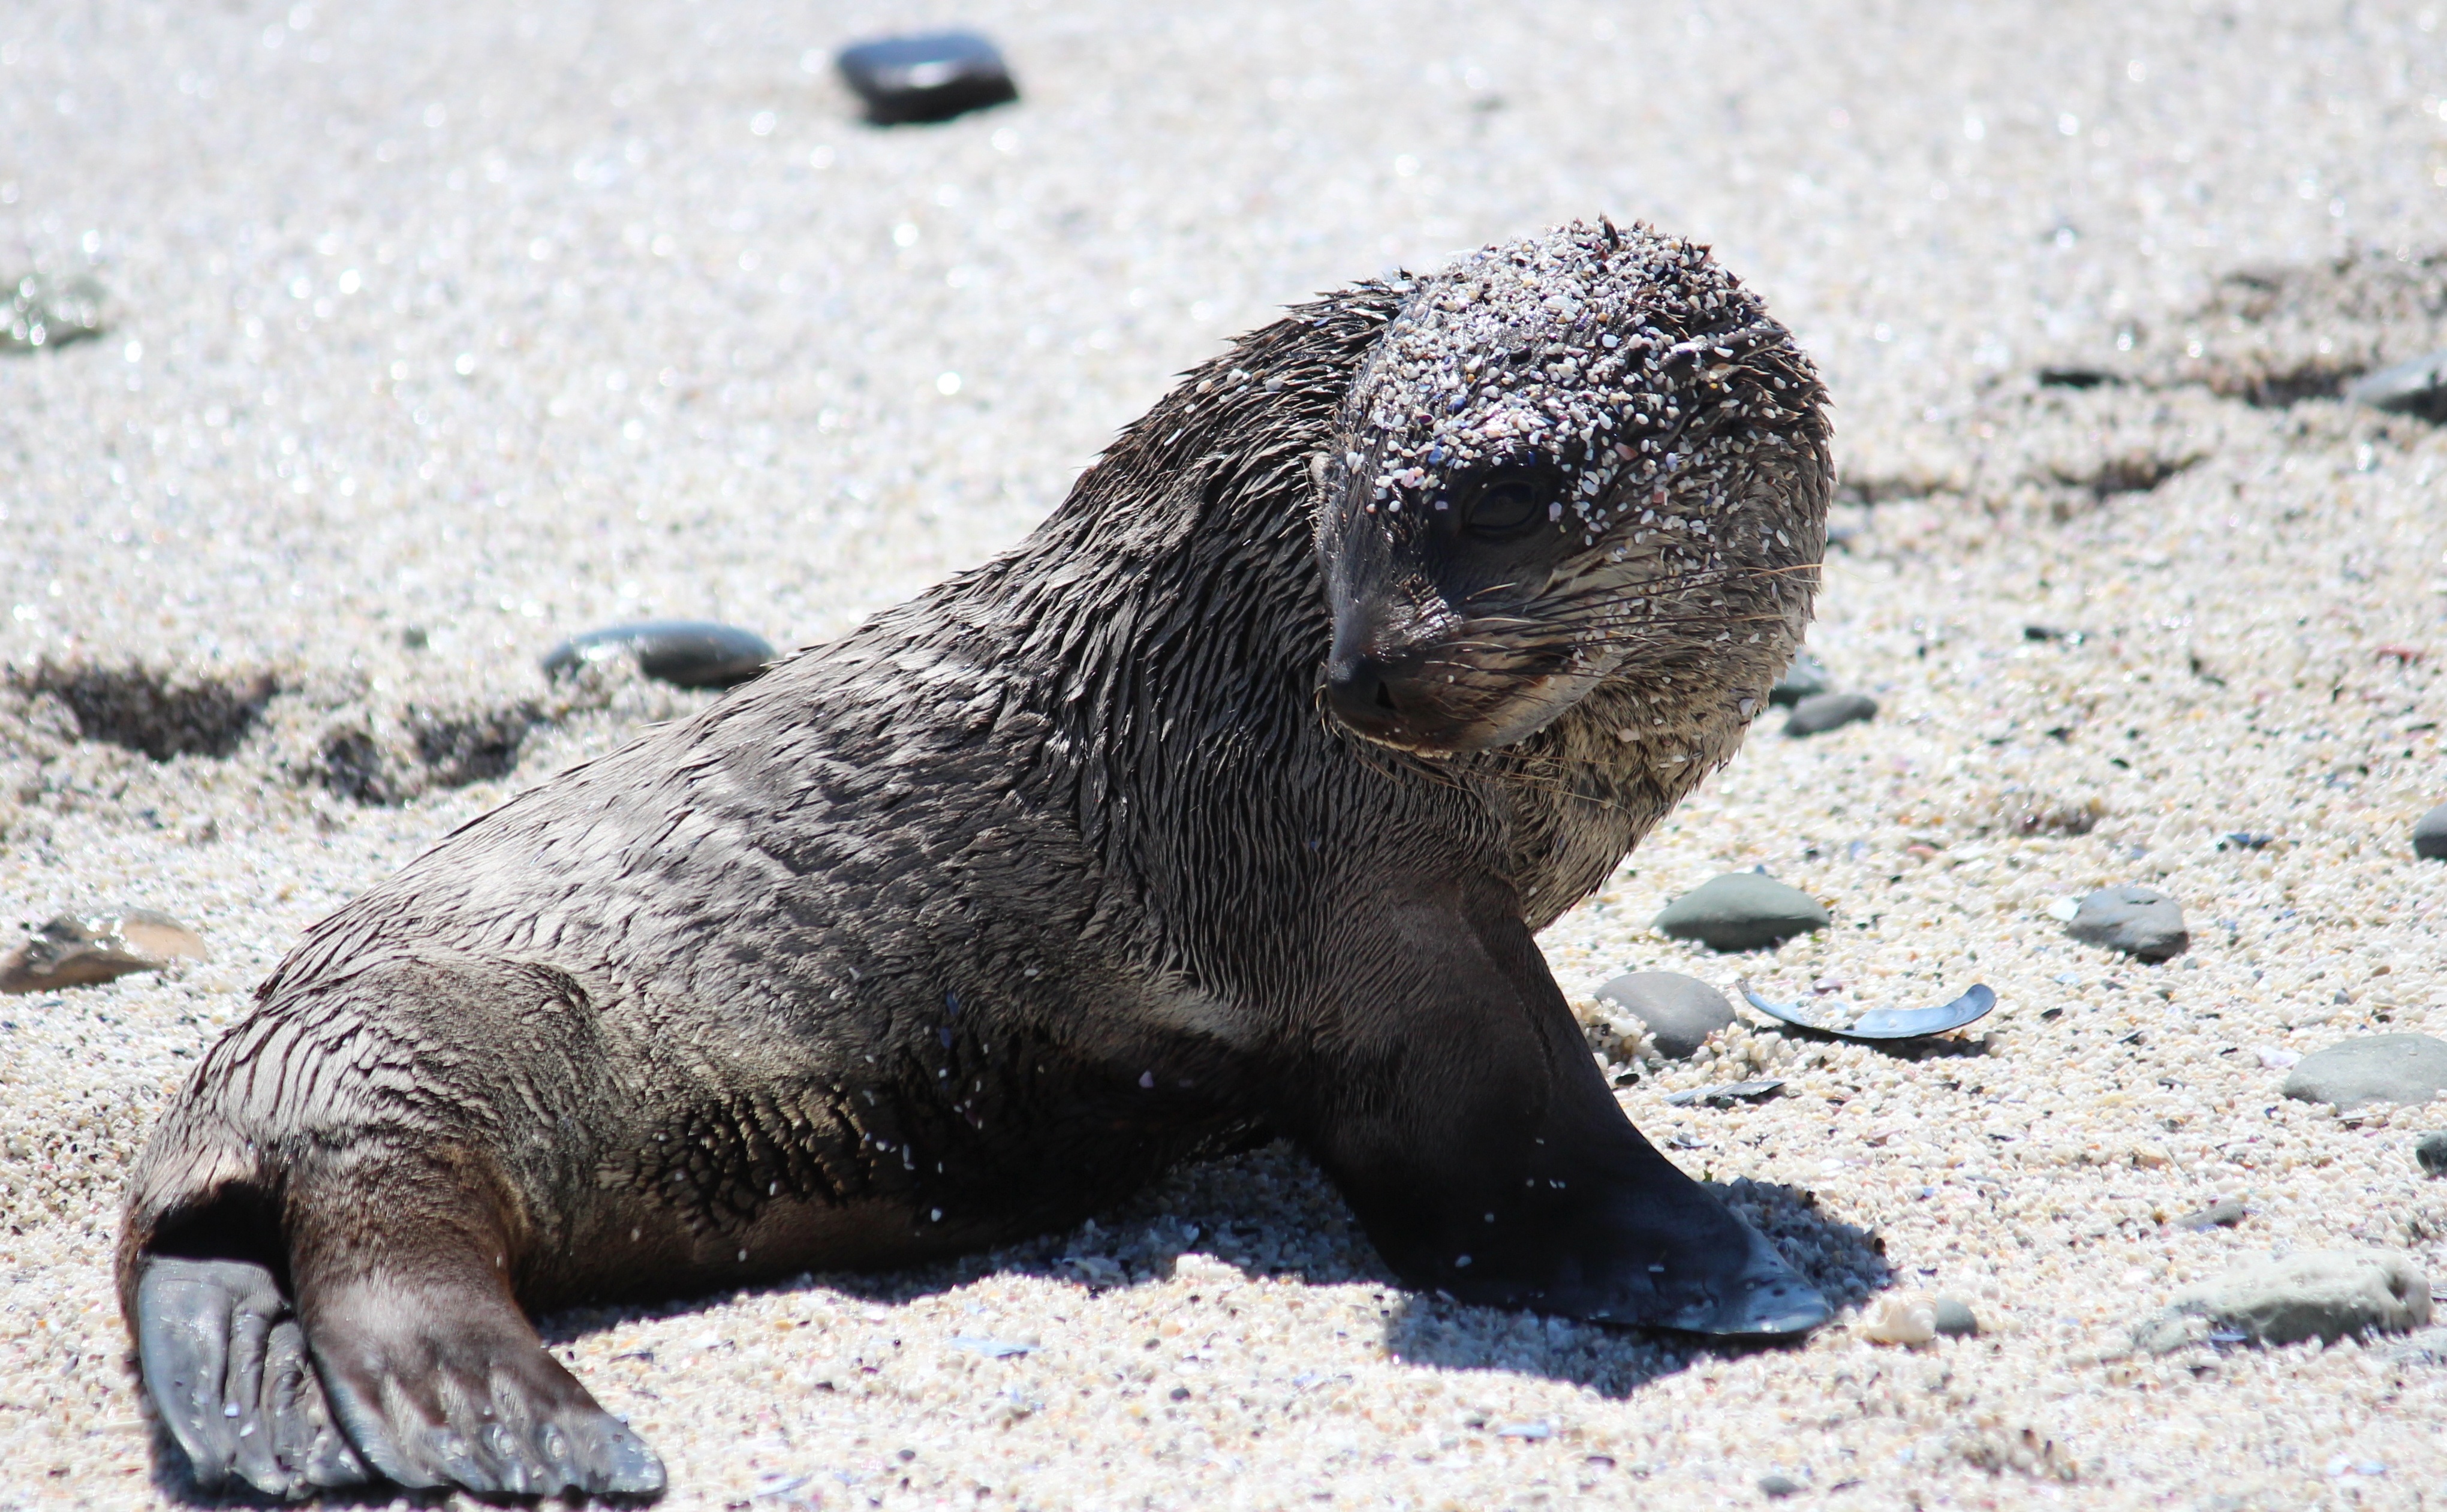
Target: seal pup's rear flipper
[
  {"x": 421, "y": 1369},
  {"x": 322, "y": 1241},
  {"x": 435, "y": 1392},
  {"x": 1485, "y": 1154},
  {"x": 403, "y": 1266},
  {"x": 225, "y": 1360}
]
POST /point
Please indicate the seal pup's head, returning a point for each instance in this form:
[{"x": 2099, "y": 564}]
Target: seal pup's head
[{"x": 1587, "y": 459}]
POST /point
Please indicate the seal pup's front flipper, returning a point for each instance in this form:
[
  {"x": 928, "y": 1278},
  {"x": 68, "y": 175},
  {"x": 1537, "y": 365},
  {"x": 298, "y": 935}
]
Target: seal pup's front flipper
[{"x": 1486, "y": 1157}]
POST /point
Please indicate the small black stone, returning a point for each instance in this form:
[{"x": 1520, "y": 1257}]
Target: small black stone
[
  {"x": 2244, "y": 840},
  {"x": 686, "y": 653},
  {"x": 2142, "y": 922},
  {"x": 1821, "y": 713},
  {"x": 1678, "y": 1012},
  {"x": 2432, "y": 1153},
  {"x": 1741, "y": 911},
  {"x": 2075, "y": 377},
  {"x": 2430, "y": 835},
  {"x": 2416, "y": 387},
  {"x": 1777, "y": 1488},
  {"x": 1807, "y": 677},
  {"x": 930, "y": 76}
]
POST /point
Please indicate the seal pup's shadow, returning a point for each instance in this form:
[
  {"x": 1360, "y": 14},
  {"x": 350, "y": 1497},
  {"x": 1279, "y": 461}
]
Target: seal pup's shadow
[
  {"x": 1270, "y": 1212},
  {"x": 1266, "y": 1210}
]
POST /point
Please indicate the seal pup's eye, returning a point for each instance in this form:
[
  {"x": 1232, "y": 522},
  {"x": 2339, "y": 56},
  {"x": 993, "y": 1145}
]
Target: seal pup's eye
[{"x": 1504, "y": 509}]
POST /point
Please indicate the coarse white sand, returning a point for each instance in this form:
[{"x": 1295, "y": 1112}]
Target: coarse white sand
[{"x": 501, "y": 321}]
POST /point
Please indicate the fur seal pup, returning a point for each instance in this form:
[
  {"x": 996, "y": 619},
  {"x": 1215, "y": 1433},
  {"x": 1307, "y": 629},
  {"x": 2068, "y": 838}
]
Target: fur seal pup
[{"x": 1232, "y": 798}]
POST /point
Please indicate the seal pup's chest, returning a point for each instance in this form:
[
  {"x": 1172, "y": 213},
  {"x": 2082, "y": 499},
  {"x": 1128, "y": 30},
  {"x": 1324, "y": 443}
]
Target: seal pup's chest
[{"x": 1578, "y": 798}]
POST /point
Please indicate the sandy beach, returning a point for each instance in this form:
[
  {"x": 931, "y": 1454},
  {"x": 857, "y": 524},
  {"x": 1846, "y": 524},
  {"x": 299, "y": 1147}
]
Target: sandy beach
[{"x": 439, "y": 332}]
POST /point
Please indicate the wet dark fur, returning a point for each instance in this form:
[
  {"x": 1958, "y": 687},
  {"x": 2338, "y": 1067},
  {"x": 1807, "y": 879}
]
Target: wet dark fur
[{"x": 946, "y": 932}]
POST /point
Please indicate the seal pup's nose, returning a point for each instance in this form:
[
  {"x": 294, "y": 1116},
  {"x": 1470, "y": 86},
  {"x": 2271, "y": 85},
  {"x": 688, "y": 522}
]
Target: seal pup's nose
[{"x": 1359, "y": 693}]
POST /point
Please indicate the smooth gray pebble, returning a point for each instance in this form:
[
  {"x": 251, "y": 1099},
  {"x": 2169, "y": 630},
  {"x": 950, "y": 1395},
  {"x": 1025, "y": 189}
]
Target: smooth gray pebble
[
  {"x": 1678, "y": 1012},
  {"x": 2225, "y": 1213},
  {"x": 2371, "y": 1069},
  {"x": 1953, "y": 1317},
  {"x": 2142, "y": 922},
  {"x": 684, "y": 653},
  {"x": 1821, "y": 713},
  {"x": 1741, "y": 911},
  {"x": 2325, "y": 1295},
  {"x": 1806, "y": 678},
  {"x": 2430, "y": 835}
]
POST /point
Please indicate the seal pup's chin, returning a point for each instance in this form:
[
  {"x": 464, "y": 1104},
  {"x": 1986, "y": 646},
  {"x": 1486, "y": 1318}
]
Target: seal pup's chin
[{"x": 1439, "y": 712}]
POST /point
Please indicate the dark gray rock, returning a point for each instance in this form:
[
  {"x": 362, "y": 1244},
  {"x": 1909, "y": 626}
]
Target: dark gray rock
[
  {"x": 1777, "y": 1488},
  {"x": 2372, "y": 1069},
  {"x": 1953, "y": 1317},
  {"x": 2325, "y": 1295},
  {"x": 1741, "y": 911},
  {"x": 932, "y": 76},
  {"x": 686, "y": 653},
  {"x": 2432, "y": 1152},
  {"x": 1806, "y": 678},
  {"x": 2142, "y": 922},
  {"x": 1821, "y": 713},
  {"x": 2414, "y": 387},
  {"x": 2430, "y": 835},
  {"x": 1678, "y": 1012}
]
